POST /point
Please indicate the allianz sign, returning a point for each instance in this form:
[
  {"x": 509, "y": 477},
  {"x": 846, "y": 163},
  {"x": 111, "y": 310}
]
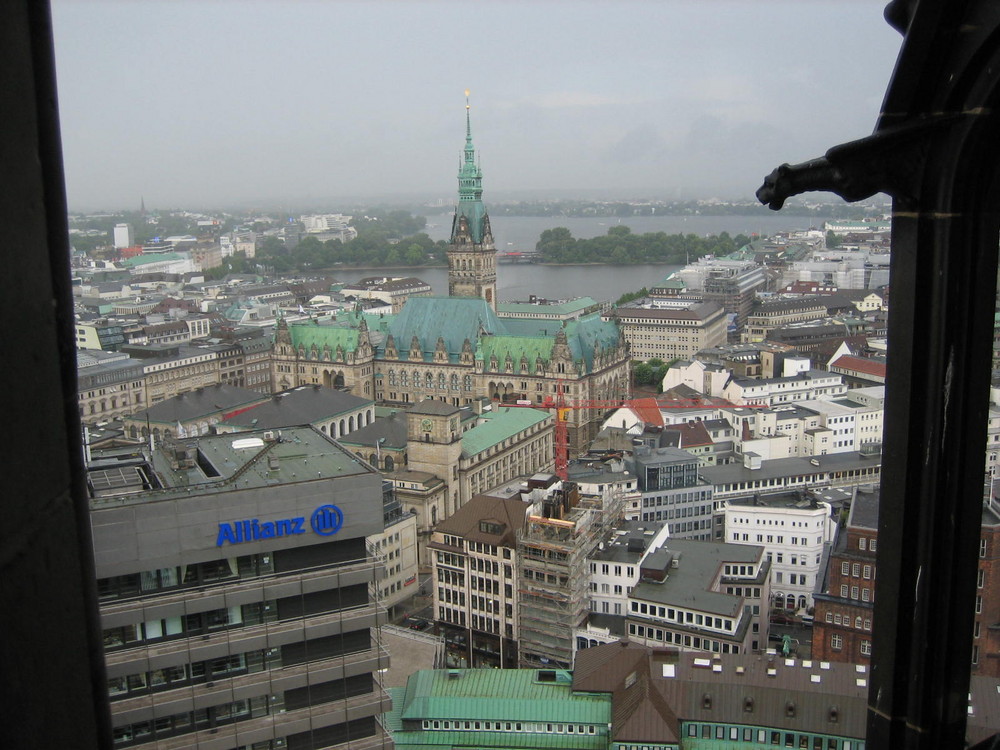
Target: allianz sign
[{"x": 326, "y": 520}]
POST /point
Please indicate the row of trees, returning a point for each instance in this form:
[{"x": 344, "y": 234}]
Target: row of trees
[
  {"x": 620, "y": 247},
  {"x": 390, "y": 239}
]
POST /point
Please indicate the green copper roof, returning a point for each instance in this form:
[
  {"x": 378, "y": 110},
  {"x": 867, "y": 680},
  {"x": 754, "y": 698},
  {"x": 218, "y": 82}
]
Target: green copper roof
[
  {"x": 141, "y": 260},
  {"x": 586, "y": 333},
  {"x": 531, "y": 347},
  {"x": 308, "y": 334},
  {"x": 470, "y": 188},
  {"x": 498, "y": 425},
  {"x": 502, "y": 695},
  {"x": 454, "y": 319},
  {"x": 672, "y": 282}
]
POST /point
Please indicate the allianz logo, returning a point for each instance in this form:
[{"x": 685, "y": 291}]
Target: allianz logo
[{"x": 326, "y": 520}]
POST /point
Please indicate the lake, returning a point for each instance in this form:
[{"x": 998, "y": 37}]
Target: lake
[{"x": 516, "y": 282}]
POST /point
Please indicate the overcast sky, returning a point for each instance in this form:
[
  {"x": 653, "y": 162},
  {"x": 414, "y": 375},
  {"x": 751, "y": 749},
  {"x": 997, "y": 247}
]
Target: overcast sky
[{"x": 212, "y": 103}]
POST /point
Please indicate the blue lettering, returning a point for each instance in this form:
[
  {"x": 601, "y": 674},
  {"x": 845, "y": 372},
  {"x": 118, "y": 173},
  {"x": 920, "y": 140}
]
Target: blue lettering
[
  {"x": 253, "y": 529},
  {"x": 226, "y": 534}
]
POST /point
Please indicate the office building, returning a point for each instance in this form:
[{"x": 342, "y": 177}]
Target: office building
[{"x": 235, "y": 593}]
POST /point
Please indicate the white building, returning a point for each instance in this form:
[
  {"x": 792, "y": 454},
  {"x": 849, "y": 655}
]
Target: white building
[
  {"x": 614, "y": 565},
  {"x": 812, "y": 384},
  {"x": 330, "y": 226},
  {"x": 793, "y": 528},
  {"x": 122, "y": 236}
]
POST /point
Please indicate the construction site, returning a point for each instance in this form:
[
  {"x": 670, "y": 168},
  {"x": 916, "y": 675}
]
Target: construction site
[{"x": 563, "y": 526}]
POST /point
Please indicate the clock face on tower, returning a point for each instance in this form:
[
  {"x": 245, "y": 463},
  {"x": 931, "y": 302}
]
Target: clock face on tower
[{"x": 426, "y": 425}]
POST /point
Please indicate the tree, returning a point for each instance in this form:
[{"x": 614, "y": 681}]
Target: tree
[
  {"x": 832, "y": 239},
  {"x": 642, "y": 374}
]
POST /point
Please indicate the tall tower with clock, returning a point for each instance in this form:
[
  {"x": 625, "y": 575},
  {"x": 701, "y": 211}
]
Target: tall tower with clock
[
  {"x": 472, "y": 263},
  {"x": 434, "y": 445}
]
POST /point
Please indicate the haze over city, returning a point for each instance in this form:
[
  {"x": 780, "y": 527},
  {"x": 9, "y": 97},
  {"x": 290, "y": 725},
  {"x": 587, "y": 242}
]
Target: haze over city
[{"x": 225, "y": 103}]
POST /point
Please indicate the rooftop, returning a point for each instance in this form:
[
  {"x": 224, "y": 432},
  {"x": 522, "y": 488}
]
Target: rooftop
[
  {"x": 198, "y": 403},
  {"x": 499, "y": 424},
  {"x": 788, "y": 467},
  {"x": 219, "y": 463},
  {"x": 697, "y": 569},
  {"x": 305, "y": 404}
]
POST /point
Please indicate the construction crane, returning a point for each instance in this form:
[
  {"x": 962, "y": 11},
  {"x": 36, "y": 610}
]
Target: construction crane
[{"x": 562, "y": 407}]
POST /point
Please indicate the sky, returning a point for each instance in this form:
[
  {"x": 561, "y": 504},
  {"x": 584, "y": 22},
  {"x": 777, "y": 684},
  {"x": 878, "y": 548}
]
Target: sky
[{"x": 218, "y": 103}]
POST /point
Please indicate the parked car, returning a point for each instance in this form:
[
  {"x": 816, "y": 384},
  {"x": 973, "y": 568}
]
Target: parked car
[
  {"x": 780, "y": 618},
  {"x": 418, "y": 623}
]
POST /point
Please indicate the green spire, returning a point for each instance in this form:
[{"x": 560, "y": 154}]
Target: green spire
[{"x": 470, "y": 185}]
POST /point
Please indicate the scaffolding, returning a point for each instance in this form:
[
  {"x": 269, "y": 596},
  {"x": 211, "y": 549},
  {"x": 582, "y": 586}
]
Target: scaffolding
[{"x": 561, "y": 530}]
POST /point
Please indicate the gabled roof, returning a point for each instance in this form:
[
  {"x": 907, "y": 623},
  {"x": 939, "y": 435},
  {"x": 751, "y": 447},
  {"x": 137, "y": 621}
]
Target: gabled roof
[
  {"x": 308, "y": 334},
  {"x": 647, "y": 410},
  {"x": 692, "y": 434},
  {"x": 198, "y": 403},
  {"x": 303, "y": 405},
  {"x": 498, "y": 425},
  {"x": 508, "y": 513},
  {"x": 392, "y": 430},
  {"x": 873, "y": 367},
  {"x": 640, "y": 712}
]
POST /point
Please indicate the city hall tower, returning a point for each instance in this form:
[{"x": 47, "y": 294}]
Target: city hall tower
[{"x": 472, "y": 264}]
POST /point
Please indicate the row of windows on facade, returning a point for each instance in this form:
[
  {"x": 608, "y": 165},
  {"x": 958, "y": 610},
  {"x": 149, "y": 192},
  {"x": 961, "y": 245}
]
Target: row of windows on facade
[
  {"x": 170, "y": 628},
  {"x": 196, "y": 574},
  {"x": 771, "y": 737},
  {"x": 774, "y": 539},
  {"x": 511, "y": 726},
  {"x": 804, "y": 479},
  {"x": 683, "y": 639},
  {"x": 680, "y": 498},
  {"x": 682, "y": 616},
  {"x": 225, "y": 713},
  {"x": 856, "y": 570},
  {"x": 865, "y": 592},
  {"x": 860, "y": 623},
  {"x": 837, "y": 644}
]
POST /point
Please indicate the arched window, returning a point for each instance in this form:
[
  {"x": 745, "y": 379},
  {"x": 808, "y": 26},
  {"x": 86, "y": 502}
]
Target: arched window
[
  {"x": 392, "y": 378},
  {"x": 404, "y": 379},
  {"x": 467, "y": 383},
  {"x": 389, "y": 464},
  {"x": 442, "y": 381},
  {"x": 350, "y": 424},
  {"x": 343, "y": 430},
  {"x": 428, "y": 380},
  {"x": 454, "y": 382}
]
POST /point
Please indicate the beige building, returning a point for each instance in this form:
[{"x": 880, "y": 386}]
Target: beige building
[
  {"x": 474, "y": 577},
  {"x": 172, "y": 369},
  {"x": 109, "y": 385},
  {"x": 671, "y": 333},
  {"x": 438, "y": 456}
]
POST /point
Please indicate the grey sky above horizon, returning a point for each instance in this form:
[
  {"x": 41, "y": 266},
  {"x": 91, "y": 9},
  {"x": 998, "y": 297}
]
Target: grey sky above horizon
[{"x": 213, "y": 103}]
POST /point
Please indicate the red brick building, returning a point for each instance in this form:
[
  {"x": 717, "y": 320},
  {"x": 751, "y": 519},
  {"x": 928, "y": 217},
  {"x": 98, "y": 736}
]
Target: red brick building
[
  {"x": 844, "y": 611},
  {"x": 986, "y": 631},
  {"x": 842, "y": 631}
]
